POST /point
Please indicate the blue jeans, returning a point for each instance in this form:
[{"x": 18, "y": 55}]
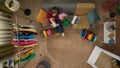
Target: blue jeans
[{"x": 59, "y": 29}]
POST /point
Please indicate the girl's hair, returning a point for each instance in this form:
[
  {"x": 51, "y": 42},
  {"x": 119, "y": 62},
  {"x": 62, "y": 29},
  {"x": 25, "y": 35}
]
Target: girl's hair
[{"x": 55, "y": 10}]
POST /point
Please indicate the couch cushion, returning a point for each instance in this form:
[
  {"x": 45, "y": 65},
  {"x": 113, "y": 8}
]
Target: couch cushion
[
  {"x": 68, "y": 8},
  {"x": 84, "y": 8},
  {"x": 83, "y": 24}
]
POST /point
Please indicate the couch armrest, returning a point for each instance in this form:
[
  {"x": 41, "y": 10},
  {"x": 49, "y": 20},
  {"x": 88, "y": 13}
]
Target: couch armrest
[
  {"x": 84, "y": 8},
  {"x": 68, "y": 8}
]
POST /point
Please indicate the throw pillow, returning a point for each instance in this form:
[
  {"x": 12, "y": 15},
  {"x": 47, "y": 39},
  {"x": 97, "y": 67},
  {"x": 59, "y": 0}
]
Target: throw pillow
[
  {"x": 42, "y": 17},
  {"x": 66, "y": 22},
  {"x": 93, "y": 17}
]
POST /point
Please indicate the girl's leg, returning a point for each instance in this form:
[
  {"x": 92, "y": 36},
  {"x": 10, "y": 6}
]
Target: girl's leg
[
  {"x": 60, "y": 27},
  {"x": 56, "y": 30}
]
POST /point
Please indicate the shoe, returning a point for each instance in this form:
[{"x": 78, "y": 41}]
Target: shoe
[
  {"x": 57, "y": 33},
  {"x": 63, "y": 34}
]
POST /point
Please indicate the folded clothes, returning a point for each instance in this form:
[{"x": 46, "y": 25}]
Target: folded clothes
[
  {"x": 23, "y": 26},
  {"x": 24, "y": 54},
  {"x": 24, "y": 42},
  {"x": 24, "y": 29},
  {"x": 22, "y": 36},
  {"x": 31, "y": 45},
  {"x": 27, "y": 32},
  {"x": 24, "y": 39},
  {"x": 28, "y": 58}
]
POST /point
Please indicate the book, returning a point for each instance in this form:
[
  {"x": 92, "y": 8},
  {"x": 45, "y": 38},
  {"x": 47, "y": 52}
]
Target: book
[{"x": 75, "y": 20}]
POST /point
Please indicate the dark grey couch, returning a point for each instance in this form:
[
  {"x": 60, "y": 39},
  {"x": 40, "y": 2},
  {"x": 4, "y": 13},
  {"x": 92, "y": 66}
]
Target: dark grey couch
[
  {"x": 64, "y": 7},
  {"x": 68, "y": 8}
]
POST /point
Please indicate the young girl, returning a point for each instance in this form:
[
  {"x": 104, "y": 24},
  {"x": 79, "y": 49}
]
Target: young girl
[{"x": 55, "y": 22}]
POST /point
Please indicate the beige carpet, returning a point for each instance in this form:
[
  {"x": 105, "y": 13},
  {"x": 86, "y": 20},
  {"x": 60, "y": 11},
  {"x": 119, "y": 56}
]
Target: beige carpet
[{"x": 70, "y": 51}]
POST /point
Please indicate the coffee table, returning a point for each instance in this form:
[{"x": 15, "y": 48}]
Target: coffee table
[{"x": 108, "y": 33}]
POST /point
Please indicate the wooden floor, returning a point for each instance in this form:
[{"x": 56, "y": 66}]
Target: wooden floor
[
  {"x": 64, "y": 52},
  {"x": 98, "y": 29}
]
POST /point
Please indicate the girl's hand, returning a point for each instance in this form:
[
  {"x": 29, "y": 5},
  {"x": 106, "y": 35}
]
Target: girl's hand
[{"x": 52, "y": 18}]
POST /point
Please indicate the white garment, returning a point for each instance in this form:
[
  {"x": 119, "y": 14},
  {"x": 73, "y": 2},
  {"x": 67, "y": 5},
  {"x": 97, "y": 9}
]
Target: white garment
[{"x": 53, "y": 23}]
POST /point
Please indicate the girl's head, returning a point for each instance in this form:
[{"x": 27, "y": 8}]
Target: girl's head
[{"x": 55, "y": 11}]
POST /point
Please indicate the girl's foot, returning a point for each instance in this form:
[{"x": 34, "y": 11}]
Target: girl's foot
[
  {"x": 63, "y": 34},
  {"x": 57, "y": 33}
]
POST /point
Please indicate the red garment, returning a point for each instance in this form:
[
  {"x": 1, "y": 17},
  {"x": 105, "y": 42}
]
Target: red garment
[
  {"x": 24, "y": 42},
  {"x": 49, "y": 15}
]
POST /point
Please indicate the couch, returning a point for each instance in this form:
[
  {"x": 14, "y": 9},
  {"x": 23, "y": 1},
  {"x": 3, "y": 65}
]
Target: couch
[
  {"x": 79, "y": 9},
  {"x": 68, "y": 8}
]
